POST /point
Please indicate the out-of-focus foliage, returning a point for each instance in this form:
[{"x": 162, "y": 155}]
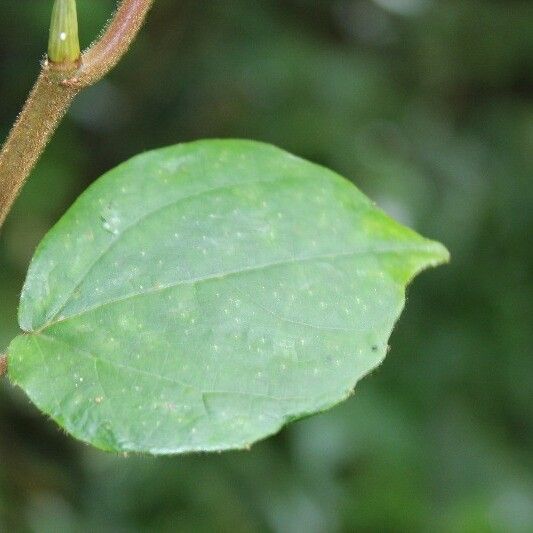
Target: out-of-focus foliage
[{"x": 426, "y": 105}]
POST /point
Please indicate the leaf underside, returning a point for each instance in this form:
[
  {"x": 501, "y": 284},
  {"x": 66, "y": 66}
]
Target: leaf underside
[{"x": 201, "y": 296}]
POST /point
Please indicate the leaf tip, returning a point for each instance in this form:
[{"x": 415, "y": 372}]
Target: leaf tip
[{"x": 440, "y": 254}]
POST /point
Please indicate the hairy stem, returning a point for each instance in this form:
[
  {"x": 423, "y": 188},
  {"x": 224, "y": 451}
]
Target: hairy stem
[
  {"x": 45, "y": 107},
  {"x": 3, "y": 365},
  {"x": 53, "y": 93},
  {"x": 103, "y": 55}
]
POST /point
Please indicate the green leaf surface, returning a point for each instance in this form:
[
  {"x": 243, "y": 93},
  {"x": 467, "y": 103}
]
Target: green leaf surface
[{"x": 201, "y": 296}]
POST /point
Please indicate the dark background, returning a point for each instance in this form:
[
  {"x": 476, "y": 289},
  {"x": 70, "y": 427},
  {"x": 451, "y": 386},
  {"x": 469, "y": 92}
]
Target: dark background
[{"x": 426, "y": 105}]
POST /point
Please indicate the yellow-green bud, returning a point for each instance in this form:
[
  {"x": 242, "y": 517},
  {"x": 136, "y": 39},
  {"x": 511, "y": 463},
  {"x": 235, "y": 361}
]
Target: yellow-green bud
[{"x": 64, "y": 44}]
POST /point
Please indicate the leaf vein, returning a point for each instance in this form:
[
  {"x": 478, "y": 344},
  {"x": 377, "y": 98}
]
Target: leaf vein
[
  {"x": 231, "y": 273},
  {"x": 148, "y": 215}
]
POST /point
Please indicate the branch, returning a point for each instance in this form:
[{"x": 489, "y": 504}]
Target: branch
[
  {"x": 58, "y": 84},
  {"x": 103, "y": 55}
]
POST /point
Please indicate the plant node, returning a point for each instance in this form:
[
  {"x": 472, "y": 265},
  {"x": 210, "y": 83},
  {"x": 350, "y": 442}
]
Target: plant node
[{"x": 63, "y": 75}]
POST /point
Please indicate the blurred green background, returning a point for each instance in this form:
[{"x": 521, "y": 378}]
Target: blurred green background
[{"x": 427, "y": 106}]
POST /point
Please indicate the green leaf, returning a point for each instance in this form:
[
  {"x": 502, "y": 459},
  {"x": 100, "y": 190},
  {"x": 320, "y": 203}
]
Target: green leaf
[{"x": 201, "y": 296}]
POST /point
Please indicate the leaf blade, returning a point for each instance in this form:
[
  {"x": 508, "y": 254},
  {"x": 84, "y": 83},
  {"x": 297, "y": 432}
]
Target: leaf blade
[{"x": 203, "y": 264}]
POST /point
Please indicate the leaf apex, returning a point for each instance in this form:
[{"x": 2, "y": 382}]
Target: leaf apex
[{"x": 440, "y": 253}]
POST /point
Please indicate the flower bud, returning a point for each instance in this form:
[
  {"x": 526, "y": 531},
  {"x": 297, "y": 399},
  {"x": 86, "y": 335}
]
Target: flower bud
[{"x": 64, "y": 44}]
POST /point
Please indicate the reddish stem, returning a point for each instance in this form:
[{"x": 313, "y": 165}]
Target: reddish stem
[{"x": 103, "y": 55}]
